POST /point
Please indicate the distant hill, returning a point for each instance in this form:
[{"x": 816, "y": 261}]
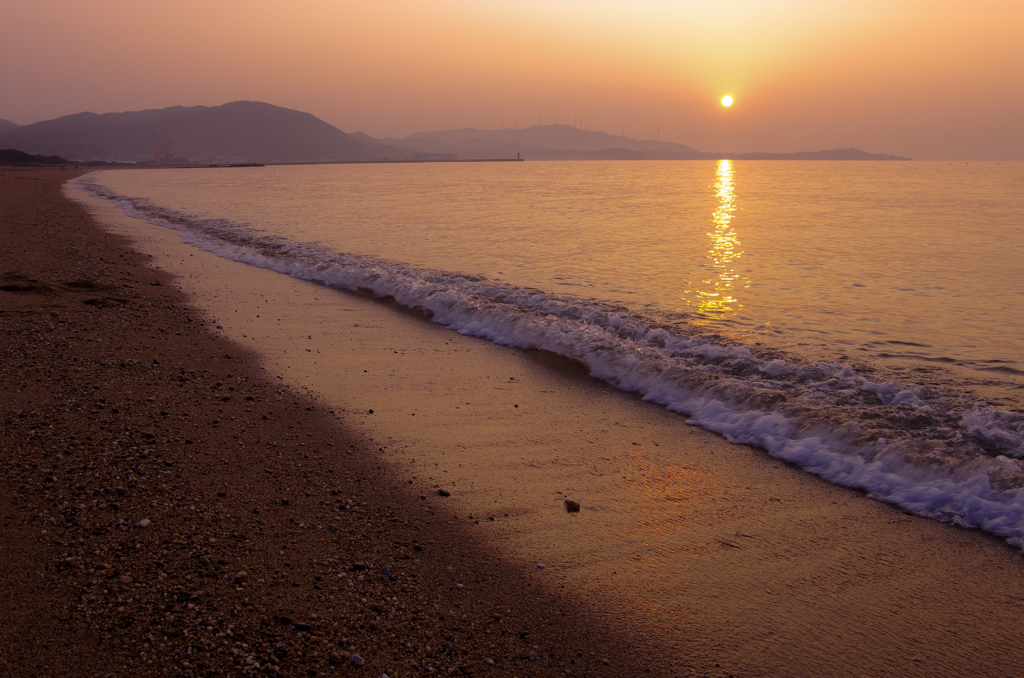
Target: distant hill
[
  {"x": 564, "y": 142},
  {"x": 600, "y": 154},
  {"x": 7, "y": 125},
  {"x": 255, "y": 132},
  {"x": 838, "y": 154},
  {"x": 242, "y": 131},
  {"x": 540, "y": 142}
]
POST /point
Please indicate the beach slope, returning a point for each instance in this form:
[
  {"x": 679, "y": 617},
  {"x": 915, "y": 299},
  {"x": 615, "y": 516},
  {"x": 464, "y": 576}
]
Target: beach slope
[{"x": 169, "y": 510}]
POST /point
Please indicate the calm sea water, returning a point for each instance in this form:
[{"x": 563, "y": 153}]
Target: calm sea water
[{"x": 861, "y": 319}]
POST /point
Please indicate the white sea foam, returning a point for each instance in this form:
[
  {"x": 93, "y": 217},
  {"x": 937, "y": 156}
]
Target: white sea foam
[{"x": 935, "y": 453}]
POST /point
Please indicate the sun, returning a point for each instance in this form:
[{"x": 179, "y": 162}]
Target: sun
[{"x": 727, "y": 101}]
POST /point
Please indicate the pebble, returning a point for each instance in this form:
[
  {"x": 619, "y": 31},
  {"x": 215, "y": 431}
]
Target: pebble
[
  {"x": 444, "y": 493},
  {"x": 357, "y": 660},
  {"x": 386, "y": 571},
  {"x": 540, "y": 566},
  {"x": 458, "y": 586},
  {"x": 331, "y": 528},
  {"x": 144, "y": 522},
  {"x": 126, "y": 579},
  {"x": 205, "y": 560},
  {"x": 571, "y": 506}
]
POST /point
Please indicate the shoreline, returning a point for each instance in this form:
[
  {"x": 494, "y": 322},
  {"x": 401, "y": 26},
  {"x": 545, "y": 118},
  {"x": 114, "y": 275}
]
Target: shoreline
[
  {"x": 134, "y": 450},
  {"x": 736, "y": 563},
  {"x": 687, "y": 544}
]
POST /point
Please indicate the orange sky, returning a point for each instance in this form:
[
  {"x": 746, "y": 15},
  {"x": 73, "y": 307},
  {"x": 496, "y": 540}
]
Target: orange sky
[{"x": 930, "y": 79}]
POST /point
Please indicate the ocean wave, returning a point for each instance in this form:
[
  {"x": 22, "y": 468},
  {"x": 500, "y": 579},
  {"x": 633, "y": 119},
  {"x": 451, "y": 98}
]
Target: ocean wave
[{"x": 926, "y": 448}]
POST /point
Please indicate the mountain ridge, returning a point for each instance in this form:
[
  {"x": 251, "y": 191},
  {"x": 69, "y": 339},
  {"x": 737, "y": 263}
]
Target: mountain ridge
[
  {"x": 565, "y": 142},
  {"x": 7, "y": 126},
  {"x": 540, "y": 142},
  {"x": 258, "y": 132},
  {"x": 239, "y": 131}
]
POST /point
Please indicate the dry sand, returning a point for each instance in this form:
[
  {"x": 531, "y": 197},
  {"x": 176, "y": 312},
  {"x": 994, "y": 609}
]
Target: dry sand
[{"x": 690, "y": 556}]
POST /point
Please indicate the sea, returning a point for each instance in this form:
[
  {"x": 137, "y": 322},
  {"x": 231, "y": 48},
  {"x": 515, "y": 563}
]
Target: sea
[{"x": 862, "y": 320}]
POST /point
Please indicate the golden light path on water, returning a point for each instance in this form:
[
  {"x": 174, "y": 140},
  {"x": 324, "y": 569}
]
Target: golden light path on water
[{"x": 715, "y": 297}]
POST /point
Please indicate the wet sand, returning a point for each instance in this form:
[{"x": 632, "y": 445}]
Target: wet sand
[{"x": 690, "y": 556}]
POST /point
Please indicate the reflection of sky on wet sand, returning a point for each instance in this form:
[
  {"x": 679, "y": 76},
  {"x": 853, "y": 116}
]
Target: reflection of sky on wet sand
[
  {"x": 665, "y": 502},
  {"x": 714, "y": 298},
  {"x": 665, "y": 519}
]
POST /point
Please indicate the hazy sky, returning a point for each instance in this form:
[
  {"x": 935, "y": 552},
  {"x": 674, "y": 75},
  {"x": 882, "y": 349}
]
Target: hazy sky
[{"x": 931, "y": 79}]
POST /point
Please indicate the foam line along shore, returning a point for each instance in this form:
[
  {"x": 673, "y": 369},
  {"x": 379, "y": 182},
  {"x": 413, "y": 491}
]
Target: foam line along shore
[{"x": 929, "y": 447}]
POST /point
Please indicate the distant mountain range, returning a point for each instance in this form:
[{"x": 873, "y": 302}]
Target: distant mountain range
[
  {"x": 564, "y": 142},
  {"x": 255, "y": 132},
  {"x": 542, "y": 142},
  {"x": 242, "y": 131}
]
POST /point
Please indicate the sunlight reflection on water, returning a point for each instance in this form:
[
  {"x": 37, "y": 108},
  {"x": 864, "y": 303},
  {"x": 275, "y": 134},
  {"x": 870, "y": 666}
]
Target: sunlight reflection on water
[{"x": 714, "y": 298}]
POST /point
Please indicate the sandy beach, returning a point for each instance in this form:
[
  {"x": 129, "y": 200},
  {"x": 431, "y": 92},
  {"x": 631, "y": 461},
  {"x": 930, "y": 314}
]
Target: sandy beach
[
  {"x": 201, "y": 460},
  {"x": 170, "y": 509}
]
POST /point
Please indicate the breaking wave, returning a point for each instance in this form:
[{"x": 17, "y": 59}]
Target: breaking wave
[{"x": 926, "y": 448}]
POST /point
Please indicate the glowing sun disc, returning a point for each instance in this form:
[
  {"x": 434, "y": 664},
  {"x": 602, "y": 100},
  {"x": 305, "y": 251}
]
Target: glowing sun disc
[{"x": 727, "y": 101}]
